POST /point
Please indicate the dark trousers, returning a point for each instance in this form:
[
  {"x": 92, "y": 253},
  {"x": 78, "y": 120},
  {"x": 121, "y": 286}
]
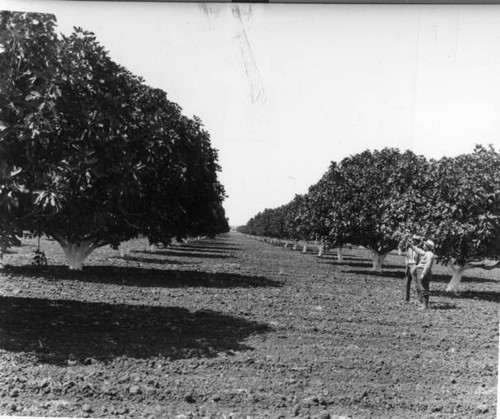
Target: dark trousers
[
  {"x": 410, "y": 276},
  {"x": 422, "y": 283}
]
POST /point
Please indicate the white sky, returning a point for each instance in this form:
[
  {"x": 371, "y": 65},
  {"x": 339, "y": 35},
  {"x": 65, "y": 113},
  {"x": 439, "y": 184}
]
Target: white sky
[{"x": 284, "y": 89}]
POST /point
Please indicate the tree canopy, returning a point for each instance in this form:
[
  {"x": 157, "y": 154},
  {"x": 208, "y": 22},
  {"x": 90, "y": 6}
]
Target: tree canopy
[
  {"x": 375, "y": 198},
  {"x": 91, "y": 155}
]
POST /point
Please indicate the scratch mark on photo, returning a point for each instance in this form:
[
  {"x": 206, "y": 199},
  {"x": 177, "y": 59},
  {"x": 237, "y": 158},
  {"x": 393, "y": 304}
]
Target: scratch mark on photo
[{"x": 257, "y": 92}]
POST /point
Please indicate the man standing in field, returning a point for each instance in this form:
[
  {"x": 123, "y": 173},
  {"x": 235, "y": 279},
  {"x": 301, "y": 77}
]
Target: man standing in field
[
  {"x": 411, "y": 259},
  {"x": 424, "y": 271}
]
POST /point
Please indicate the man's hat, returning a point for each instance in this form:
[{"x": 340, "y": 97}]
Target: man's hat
[{"x": 430, "y": 243}]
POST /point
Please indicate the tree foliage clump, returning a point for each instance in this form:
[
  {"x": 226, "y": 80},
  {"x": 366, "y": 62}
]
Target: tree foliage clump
[
  {"x": 459, "y": 207},
  {"x": 91, "y": 155},
  {"x": 376, "y": 198}
]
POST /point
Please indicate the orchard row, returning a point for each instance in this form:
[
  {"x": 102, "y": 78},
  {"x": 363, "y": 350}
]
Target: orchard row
[
  {"x": 378, "y": 199},
  {"x": 91, "y": 155}
]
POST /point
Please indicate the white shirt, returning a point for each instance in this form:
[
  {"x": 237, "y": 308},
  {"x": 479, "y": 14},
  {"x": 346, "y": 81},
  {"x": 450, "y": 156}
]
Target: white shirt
[
  {"x": 411, "y": 257},
  {"x": 426, "y": 261}
]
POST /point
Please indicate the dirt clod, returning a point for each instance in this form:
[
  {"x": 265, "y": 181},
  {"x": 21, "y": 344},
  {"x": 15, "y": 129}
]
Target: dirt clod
[
  {"x": 134, "y": 390},
  {"x": 188, "y": 398},
  {"x": 86, "y": 408}
]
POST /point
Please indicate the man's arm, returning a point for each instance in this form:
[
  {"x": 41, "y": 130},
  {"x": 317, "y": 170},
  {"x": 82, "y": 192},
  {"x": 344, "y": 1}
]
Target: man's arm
[{"x": 417, "y": 249}]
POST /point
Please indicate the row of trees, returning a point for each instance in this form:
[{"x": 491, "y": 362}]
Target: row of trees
[
  {"x": 375, "y": 199},
  {"x": 91, "y": 155}
]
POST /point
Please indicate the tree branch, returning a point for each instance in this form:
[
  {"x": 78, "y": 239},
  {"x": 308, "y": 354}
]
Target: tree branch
[
  {"x": 60, "y": 238},
  {"x": 480, "y": 264},
  {"x": 483, "y": 265}
]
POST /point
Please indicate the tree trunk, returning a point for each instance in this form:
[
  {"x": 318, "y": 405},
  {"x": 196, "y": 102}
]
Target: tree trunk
[
  {"x": 378, "y": 260},
  {"x": 286, "y": 244},
  {"x": 295, "y": 245},
  {"x": 304, "y": 248},
  {"x": 76, "y": 253},
  {"x": 3, "y": 249},
  {"x": 340, "y": 258},
  {"x": 321, "y": 250},
  {"x": 125, "y": 248},
  {"x": 458, "y": 272}
]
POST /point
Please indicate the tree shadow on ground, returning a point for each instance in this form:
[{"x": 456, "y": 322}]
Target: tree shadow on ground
[
  {"x": 209, "y": 249},
  {"x": 441, "y": 278},
  {"x": 57, "y": 330},
  {"x": 149, "y": 260},
  {"x": 386, "y": 274},
  {"x": 200, "y": 249},
  {"x": 470, "y": 295},
  {"x": 144, "y": 277},
  {"x": 219, "y": 240},
  {"x": 183, "y": 253},
  {"x": 442, "y": 306},
  {"x": 206, "y": 247},
  {"x": 346, "y": 258},
  {"x": 367, "y": 265},
  {"x": 10, "y": 251}
]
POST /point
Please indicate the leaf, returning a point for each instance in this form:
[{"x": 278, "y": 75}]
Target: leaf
[
  {"x": 33, "y": 95},
  {"x": 15, "y": 171}
]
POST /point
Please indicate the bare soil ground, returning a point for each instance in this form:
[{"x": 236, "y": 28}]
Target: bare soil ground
[{"x": 233, "y": 327}]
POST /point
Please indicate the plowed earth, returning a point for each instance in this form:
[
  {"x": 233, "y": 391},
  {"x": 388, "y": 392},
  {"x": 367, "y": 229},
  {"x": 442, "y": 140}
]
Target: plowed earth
[{"x": 233, "y": 327}]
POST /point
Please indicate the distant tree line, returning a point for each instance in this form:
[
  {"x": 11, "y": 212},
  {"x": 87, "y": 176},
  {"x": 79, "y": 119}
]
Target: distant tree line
[
  {"x": 89, "y": 154},
  {"x": 375, "y": 199}
]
